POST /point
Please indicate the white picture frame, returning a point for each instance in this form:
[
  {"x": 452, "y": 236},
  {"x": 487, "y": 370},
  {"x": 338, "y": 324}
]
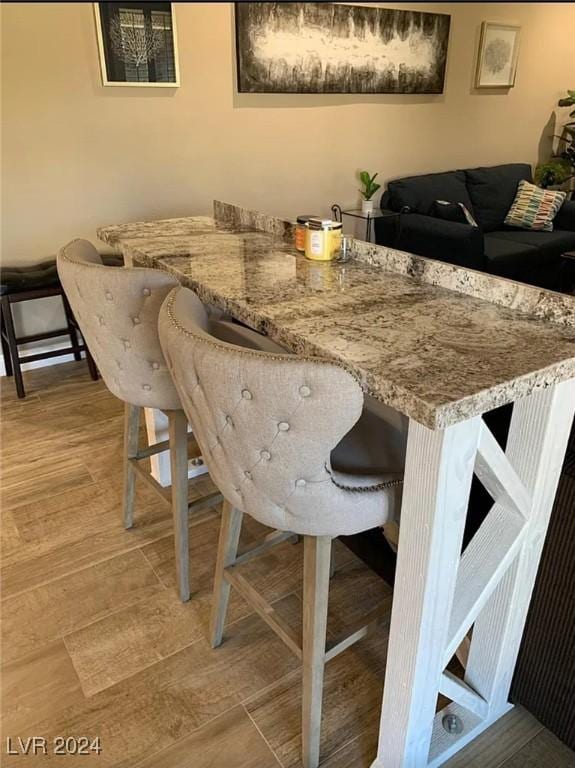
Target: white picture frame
[
  {"x": 497, "y": 56},
  {"x": 106, "y": 58}
]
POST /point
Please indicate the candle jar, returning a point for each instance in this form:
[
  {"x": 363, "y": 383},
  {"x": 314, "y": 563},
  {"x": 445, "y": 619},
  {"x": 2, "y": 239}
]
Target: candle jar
[
  {"x": 322, "y": 239},
  {"x": 300, "y": 230}
]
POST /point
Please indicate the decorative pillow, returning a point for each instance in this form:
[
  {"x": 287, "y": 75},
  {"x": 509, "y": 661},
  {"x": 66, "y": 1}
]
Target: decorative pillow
[
  {"x": 457, "y": 212},
  {"x": 534, "y": 208}
]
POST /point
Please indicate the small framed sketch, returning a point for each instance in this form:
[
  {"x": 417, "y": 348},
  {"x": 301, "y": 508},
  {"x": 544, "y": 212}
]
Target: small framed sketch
[
  {"x": 137, "y": 44},
  {"x": 498, "y": 52}
]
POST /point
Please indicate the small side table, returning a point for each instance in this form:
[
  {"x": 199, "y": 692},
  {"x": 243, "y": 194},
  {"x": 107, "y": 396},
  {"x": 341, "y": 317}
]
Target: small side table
[{"x": 357, "y": 213}]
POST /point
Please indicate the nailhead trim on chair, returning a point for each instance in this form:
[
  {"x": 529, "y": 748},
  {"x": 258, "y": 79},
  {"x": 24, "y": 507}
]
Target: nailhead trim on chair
[{"x": 365, "y": 488}]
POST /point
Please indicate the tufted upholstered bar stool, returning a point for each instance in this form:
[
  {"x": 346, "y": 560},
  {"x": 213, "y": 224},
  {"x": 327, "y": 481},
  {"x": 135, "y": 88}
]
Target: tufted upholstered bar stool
[
  {"x": 117, "y": 311},
  {"x": 267, "y": 424}
]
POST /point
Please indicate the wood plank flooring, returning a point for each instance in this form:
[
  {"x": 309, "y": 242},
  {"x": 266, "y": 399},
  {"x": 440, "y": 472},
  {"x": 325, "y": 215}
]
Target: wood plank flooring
[{"x": 96, "y": 643}]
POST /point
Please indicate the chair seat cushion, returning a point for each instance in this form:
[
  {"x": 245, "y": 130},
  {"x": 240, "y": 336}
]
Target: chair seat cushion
[
  {"x": 29, "y": 277},
  {"x": 242, "y": 336},
  {"x": 376, "y": 445},
  {"x": 112, "y": 260}
]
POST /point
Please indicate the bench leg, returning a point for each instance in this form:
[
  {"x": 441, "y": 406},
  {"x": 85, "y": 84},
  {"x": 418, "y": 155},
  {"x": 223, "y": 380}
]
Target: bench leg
[
  {"x": 72, "y": 332},
  {"x": 12, "y": 346},
  {"x": 5, "y": 348},
  {"x": 92, "y": 367}
]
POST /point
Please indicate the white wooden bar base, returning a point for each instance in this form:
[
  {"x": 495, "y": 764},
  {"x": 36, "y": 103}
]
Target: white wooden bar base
[{"x": 441, "y": 592}]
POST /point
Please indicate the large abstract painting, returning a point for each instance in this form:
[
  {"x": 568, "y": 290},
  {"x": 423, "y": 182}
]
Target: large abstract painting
[{"x": 333, "y": 48}]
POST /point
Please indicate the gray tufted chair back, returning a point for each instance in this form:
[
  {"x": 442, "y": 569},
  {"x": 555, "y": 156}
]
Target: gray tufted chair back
[
  {"x": 266, "y": 424},
  {"x": 117, "y": 311}
]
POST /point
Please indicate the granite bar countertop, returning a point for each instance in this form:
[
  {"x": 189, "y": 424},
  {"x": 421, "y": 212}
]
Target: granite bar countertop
[{"x": 436, "y": 342}]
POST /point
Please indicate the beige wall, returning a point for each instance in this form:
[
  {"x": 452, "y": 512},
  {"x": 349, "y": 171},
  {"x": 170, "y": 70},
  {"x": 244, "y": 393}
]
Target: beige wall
[{"x": 76, "y": 154}]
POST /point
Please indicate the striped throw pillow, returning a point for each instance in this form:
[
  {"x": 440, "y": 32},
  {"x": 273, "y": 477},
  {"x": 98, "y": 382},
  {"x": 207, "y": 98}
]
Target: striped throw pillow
[{"x": 534, "y": 208}]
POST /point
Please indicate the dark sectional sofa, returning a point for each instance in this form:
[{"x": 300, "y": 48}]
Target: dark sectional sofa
[{"x": 487, "y": 193}]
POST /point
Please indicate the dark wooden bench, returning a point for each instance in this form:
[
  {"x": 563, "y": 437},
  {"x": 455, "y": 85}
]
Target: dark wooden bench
[{"x": 28, "y": 283}]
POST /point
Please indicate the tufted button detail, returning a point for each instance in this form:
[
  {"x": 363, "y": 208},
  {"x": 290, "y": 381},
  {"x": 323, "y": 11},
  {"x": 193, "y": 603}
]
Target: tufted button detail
[
  {"x": 136, "y": 320},
  {"x": 305, "y": 391},
  {"x": 147, "y": 387},
  {"x": 155, "y": 366},
  {"x": 246, "y": 394},
  {"x": 300, "y": 482},
  {"x": 229, "y": 421},
  {"x": 126, "y": 343},
  {"x": 265, "y": 455},
  {"x": 248, "y": 475},
  {"x": 101, "y": 320},
  {"x": 283, "y": 426},
  {"x": 147, "y": 292},
  {"x": 108, "y": 296}
]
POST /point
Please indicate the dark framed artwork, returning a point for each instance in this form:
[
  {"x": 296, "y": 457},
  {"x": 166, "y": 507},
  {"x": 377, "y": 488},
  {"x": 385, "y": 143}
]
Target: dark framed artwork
[
  {"x": 334, "y": 48},
  {"x": 137, "y": 44}
]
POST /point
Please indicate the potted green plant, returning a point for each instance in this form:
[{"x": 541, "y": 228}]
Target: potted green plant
[
  {"x": 561, "y": 168},
  {"x": 368, "y": 190}
]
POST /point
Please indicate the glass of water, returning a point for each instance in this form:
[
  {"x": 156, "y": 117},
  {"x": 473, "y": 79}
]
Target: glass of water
[{"x": 346, "y": 248}]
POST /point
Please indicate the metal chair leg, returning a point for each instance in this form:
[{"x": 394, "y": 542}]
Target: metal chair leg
[
  {"x": 230, "y": 530},
  {"x": 316, "y": 570},
  {"x": 13, "y": 346},
  {"x": 131, "y": 435},
  {"x": 178, "y": 435}
]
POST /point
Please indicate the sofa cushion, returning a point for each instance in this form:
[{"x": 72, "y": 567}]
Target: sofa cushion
[
  {"x": 457, "y": 212},
  {"x": 492, "y": 192},
  {"x": 419, "y": 193},
  {"x": 565, "y": 219},
  {"x": 509, "y": 258},
  {"x": 549, "y": 244}
]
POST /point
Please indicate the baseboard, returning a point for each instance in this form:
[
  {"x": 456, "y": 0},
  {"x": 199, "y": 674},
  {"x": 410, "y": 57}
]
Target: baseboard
[{"x": 36, "y": 349}]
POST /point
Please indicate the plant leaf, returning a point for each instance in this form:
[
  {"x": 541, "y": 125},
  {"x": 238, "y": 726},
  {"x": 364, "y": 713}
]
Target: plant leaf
[{"x": 364, "y": 176}]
